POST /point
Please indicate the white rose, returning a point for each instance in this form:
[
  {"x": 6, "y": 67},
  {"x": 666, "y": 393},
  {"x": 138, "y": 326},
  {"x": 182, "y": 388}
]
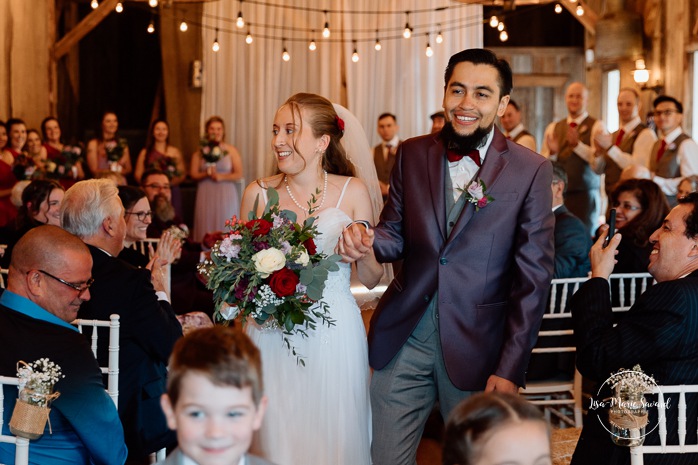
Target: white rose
[
  {"x": 269, "y": 260},
  {"x": 303, "y": 259},
  {"x": 229, "y": 312}
]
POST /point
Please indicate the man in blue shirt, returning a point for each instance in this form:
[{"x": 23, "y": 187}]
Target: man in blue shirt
[{"x": 49, "y": 278}]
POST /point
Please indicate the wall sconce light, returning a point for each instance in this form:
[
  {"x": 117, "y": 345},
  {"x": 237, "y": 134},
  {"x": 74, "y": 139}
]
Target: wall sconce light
[{"x": 641, "y": 75}]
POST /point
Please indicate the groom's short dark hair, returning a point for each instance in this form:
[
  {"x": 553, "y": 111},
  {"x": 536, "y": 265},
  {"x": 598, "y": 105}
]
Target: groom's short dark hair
[{"x": 481, "y": 56}]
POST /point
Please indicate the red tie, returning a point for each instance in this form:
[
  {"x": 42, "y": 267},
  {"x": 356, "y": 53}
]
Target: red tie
[
  {"x": 473, "y": 154},
  {"x": 619, "y": 137},
  {"x": 661, "y": 150},
  {"x": 573, "y": 125}
]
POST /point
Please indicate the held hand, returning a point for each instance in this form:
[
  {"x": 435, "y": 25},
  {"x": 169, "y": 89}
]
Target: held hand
[
  {"x": 553, "y": 146},
  {"x": 572, "y": 136},
  {"x": 603, "y": 141},
  {"x": 499, "y": 384},
  {"x": 604, "y": 259},
  {"x": 354, "y": 243}
]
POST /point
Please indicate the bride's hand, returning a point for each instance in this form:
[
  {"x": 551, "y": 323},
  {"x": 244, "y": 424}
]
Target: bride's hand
[{"x": 354, "y": 243}]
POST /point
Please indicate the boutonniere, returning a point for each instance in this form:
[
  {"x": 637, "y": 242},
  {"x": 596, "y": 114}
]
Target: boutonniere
[
  {"x": 583, "y": 129},
  {"x": 476, "y": 193},
  {"x": 671, "y": 146}
]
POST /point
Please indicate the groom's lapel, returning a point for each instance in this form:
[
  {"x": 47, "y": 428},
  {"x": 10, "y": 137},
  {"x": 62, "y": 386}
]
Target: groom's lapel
[{"x": 492, "y": 168}]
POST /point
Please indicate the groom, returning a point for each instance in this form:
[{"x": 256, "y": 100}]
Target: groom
[{"x": 464, "y": 312}]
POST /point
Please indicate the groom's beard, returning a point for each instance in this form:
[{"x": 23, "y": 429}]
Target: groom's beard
[
  {"x": 464, "y": 144},
  {"x": 163, "y": 209}
]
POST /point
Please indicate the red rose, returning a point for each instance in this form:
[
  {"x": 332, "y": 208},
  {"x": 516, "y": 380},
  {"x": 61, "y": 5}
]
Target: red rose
[
  {"x": 261, "y": 229},
  {"x": 310, "y": 246},
  {"x": 283, "y": 282}
]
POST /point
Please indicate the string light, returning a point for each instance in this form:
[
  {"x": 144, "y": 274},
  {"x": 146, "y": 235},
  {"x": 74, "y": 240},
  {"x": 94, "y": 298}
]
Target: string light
[
  {"x": 119, "y": 7},
  {"x": 494, "y": 21},
  {"x": 326, "y": 28},
  {"x": 240, "y": 23},
  {"x": 580, "y": 10},
  {"x": 439, "y": 38},
  {"x": 94, "y": 4},
  {"x": 573, "y": 1},
  {"x": 312, "y": 47},
  {"x": 183, "y": 26},
  {"x": 558, "y": 8},
  {"x": 216, "y": 46},
  {"x": 285, "y": 55},
  {"x": 248, "y": 38},
  {"x": 151, "y": 26},
  {"x": 407, "y": 33},
  {"x": 428, "y": 52},
  {"x": 153, "y": 3},
  {"x": 500, "y": 26},
  {"x": 503, "y": 36},
  {"x": 355, "y": 55}
]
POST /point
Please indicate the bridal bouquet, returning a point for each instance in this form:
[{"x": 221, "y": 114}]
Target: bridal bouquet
[
  {"x": 62, "y": 166},
  {"x": 268, "y": 269},
  {"x": 167, "y": 165},
  {"x": 211, "y": 151},
  {"x": 36, "y": 381}
]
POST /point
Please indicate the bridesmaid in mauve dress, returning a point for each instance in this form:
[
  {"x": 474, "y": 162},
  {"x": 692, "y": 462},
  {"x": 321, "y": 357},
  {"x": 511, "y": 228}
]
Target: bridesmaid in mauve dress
[
  {"x": 51, "y": 130},
  {"x": 217, "y": 198},
  {"x": 96, "y": 152}
]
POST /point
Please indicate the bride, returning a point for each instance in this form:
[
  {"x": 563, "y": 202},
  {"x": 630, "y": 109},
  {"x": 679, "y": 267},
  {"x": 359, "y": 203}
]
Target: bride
[{"x": 318, "y": 414}]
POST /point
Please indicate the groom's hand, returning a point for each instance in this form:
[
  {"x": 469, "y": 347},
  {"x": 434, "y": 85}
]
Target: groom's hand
[
  {"x": 499, "y": 384},
  {"x": 354, "y": 243}
]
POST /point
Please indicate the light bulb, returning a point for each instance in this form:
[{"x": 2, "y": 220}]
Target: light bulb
[
  {"x": 407, "y": 33},
  {"x": 378, "y": 45},
  {"x": 285, "y": 56},
  {"x": 153, "y": 3},
  {"x": 500, "y": 26},
  {"x": 119, "y": 7},
  {"x": 573, "y": 1},
  {"x": 326, "y": 30},
  {"x": 503, "y": 36},
  {"x": 558, "y": 8},
  {"x": 94, "y": 4},
  {"x": 216, "y": 46},
  {"x": 249, "y": 38},
  {"x": 183, "y": 26},
  {"x": 494, "y": 21},
  {"x": 312, "y": 47},
  {"x": 240, "y": 23},
  {"x": 580, "y": 10},
  {"x": 151, "y": 27},
  {"x": 439, "y": 38},
  {"x": 355, "y": 56},
  {"x": 429, "y": 52}
]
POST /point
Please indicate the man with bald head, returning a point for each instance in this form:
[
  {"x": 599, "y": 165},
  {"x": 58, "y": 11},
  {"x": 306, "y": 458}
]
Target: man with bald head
[
  {"x": 629, "y": 146},
  {"x": 93, "y": 211},
  {"x": 571, "y": 141},
  {"x": 49, "y": 278}
]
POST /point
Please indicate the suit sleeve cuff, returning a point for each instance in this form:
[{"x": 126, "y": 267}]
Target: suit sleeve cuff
[{"x": 162, "y": 296}]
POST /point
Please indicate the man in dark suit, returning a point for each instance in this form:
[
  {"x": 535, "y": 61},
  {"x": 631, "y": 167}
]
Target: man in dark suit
[
  {"x": 572, "y": 242},
  {"x": 384, "y": 153},
  {"x": 49, "y": 278},
  {"x": 659, "y": 332},
  {"x": 464, "y": 312},
  {"x": 93, "y": 211}
]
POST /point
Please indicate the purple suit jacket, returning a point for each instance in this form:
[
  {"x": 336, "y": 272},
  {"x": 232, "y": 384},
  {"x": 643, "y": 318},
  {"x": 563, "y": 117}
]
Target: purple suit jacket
[{"x": 492, "y": 273}]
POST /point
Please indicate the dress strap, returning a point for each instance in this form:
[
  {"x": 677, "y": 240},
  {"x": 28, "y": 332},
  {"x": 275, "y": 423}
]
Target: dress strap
[
  {"x": 344, "y": 189},
  {"x": 264, "y": 191}
]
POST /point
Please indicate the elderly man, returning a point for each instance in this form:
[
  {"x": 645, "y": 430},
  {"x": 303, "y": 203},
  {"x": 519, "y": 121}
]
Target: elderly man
[
  {"x": 514, "y": 129},
  {"x": 149, "y": 328},
  {"x": 571, "y": 142},
  {"x": 658, "y": 332},
  {"x": 49, "y": 278},
  {"x": 630, "y": 145}
]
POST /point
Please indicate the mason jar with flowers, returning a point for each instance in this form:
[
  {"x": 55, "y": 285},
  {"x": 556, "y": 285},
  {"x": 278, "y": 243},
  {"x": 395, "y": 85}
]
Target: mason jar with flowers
[
  {"x": 628, "y": 413},
  {"x": 36, "y": 383}
]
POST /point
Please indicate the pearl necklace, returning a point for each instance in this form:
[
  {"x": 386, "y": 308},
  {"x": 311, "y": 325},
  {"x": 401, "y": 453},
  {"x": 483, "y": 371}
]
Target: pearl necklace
[{"x": 307, "y": 210}]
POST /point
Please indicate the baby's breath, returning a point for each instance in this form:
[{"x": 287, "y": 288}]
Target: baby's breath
[{"x": 632, "y": 381}]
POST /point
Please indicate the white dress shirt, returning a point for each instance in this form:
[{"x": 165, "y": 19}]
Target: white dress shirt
[
  {"x": 687, "y": 155},
  {"x": 641, "y": 148},
  {"x": 527, "y": 141},
  {"x": 394, "y": 142},
  {"x": 463, "y": 170},
  {"x": 585, "y": 152}
]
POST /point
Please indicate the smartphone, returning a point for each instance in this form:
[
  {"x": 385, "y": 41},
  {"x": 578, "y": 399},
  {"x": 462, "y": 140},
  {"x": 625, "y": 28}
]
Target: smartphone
[{"x": 611, "y": 226}]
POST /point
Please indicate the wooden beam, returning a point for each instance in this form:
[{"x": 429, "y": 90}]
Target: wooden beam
[
  {"x": 540, "y": 80},
  {"x": 588, "y": 19},
  {"x": 88, "y": 23}
]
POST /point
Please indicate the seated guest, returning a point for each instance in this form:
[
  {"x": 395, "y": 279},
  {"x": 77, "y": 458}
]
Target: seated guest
[
  {"x": 157, "y": 188},
  {"x": 572, "y": 243},
  {"x": 494, "y": 428},
  {"x": 218, "y": 370},
  {"x": 49, "y": 278},
  {"x": 149, "y": 328},
  {"x": 41, "y": 203},
  {"x": 658, "y": 332},
  {"x": 688, "y": 185}
]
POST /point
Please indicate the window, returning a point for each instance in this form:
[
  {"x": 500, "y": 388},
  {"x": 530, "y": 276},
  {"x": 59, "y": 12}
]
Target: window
[{"x": 610, "y": 98}]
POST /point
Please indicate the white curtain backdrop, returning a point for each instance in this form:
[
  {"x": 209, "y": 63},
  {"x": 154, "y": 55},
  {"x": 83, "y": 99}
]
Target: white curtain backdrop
[{"x": 245, "y": 84}]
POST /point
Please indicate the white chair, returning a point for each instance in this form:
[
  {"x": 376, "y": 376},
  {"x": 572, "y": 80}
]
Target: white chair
[
  {"x": 3, "y": 277},
  {"x": 112, "y": 369},
  {"x": 637, "y": 453},
  {"x": 632, "y": 284},
  {"x": 21, "y": 444},
  {"x": 553, "y": 395}
]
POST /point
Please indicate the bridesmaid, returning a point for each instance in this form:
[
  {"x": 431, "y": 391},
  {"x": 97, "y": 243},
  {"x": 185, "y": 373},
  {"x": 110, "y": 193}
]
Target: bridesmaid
[
  {"x": 35, "y": 148},
  {"x": 53, "y": 142},
  {"x": 217, "y": 198},
  {"x": 97, "y": 154},
  {"x": 3, "y": 135},
  {"x": 17, "y": 137}
]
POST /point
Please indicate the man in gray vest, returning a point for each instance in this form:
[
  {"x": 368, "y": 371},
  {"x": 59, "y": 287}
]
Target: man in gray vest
[
  {"x": 514, "y": 129},
  {"x": 384, "y": 153},
  {"x": 675, "y": 155},
  {"x": 629, "y": 145},
  {"x": 570, "y": 141}
]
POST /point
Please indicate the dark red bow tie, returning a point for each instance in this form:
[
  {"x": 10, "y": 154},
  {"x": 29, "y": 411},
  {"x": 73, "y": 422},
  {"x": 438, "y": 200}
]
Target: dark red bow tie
[{"x": 473, "y": 154}]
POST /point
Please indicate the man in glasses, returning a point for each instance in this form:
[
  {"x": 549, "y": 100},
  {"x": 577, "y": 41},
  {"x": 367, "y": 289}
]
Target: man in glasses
[
  {"x": 49, "y": 278},
  {"x": 675, "y": 155},
  {"x": 93, "y": 211}
]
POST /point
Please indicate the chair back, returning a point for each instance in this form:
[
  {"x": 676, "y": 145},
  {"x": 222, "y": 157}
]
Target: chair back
[
  {"x": 112, "y": 369},
  {"x": 3, "y": 277},
  {"x": 627, "y": 287},
  {"x": 637, "y": 453},
  {"x": 21, "y": 444}
]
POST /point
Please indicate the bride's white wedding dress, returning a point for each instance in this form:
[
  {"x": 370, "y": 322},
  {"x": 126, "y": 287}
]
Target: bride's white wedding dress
[{"x": 318, "y": 414}]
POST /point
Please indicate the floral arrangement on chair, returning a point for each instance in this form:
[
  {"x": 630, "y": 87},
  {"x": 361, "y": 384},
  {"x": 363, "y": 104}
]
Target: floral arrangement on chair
[
  {"x": 211, "y": 151},
  {"x": 628, "y": 413},
  {"x": 268, "y": 268},
  {"x": 36, "y": 381},
  {"x": 62, "y": 166}
]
